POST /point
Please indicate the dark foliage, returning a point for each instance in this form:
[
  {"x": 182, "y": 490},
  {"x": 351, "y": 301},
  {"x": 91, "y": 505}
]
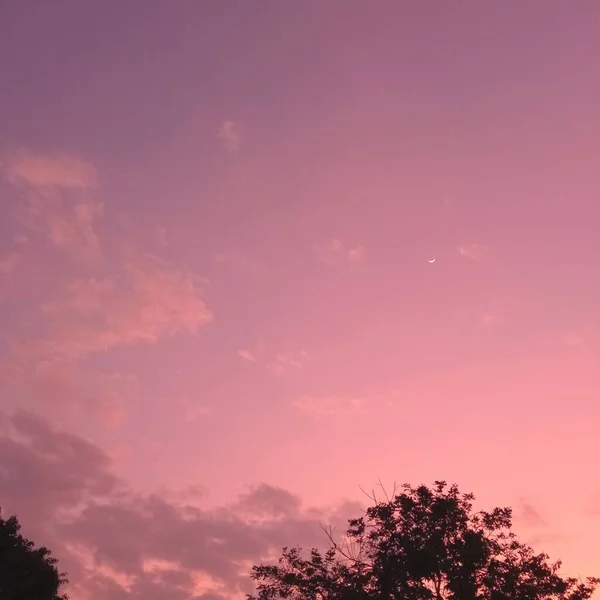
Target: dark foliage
[
  {"x": 26, "y": 572},
  {"x": 422, "y": 544}
]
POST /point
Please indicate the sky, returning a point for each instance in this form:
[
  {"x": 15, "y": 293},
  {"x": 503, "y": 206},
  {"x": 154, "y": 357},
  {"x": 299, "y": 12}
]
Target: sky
[{"x": 220, "y": 312}]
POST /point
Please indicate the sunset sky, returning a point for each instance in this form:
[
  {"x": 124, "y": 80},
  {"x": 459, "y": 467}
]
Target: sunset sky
[{"x": 218, "y": 313}]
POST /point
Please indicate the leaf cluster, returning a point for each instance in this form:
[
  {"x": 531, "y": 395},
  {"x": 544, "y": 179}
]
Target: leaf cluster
[
  {"x": 26, "y": 572},
  {"x": 421, "y": 543}
]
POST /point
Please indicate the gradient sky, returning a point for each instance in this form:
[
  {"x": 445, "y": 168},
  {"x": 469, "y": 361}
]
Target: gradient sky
[{"x": 215, "y": 293}]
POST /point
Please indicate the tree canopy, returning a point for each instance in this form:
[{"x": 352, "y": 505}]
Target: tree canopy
[
  {"x": 26, "y": 572},
  {"x": 421, "y": 544}
]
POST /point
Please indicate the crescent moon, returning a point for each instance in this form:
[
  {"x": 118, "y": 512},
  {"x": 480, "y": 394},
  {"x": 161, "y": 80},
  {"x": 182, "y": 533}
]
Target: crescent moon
[{"x": 431, "y": 261}]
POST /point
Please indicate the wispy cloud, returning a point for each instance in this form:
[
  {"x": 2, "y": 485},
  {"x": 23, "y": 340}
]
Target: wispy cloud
[
  {"x": 328, "y": 405},
  {"x": 11, "y": 371},
  {"x": 73, "y": 231},
  {"x": 56, "y": 170},
  {"x": 283, "y": 363},
  {"x": 239, "y": 260},
  {"x": 63, "y": 389},
  {"x": 253, "y": 354},
  {"x": 334, "y": 252},
  {"x": 490, "y": 319},
  {"x": 111, "y": 393},
  {"x": 56, "y": 200},
  {"x": 574, "y": 340},
  {"x": 357, "y": 253},
  {"x": 230, "y": 136},
  {"x": 529, "y": 515},
  {"x": 145, "y": 303},
  {"x": 279, "y": 364},
  {"x": 161, "y": 236},
  {"x": 473, "y": 251},
  {"x": 248, "y": 355},
  {"x": 9, "y": 263}
]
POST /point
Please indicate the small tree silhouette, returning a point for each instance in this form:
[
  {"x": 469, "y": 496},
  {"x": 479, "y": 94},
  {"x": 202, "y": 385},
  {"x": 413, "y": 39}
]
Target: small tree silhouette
[
  {"x": 421, "y": 544},
  {"x": 26, "y": 572}
]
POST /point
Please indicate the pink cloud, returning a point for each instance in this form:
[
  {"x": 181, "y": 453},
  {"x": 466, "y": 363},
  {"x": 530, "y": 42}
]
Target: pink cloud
[
  {"x": 56, "y": 385},
  {"x": 490, "y": 318},
  {"x": 252, "y": 354},
  {"x": 334, "y": 252},
  {"x": 73, "y": 231},
  {"x": 473, "y": 251},
  {"x": 247, "y": 355},
  {"x": 57, "y": 170},
  {"x": 9, "y": 263},
  {"x": 321, "y": 406},
  {"x": 11, "y": 371},
  {"x": 55, "y": 201},
  {"x": 107, "y": 411},
  {"x": 284, "y": 362},
  {"x": 357, "y": 253},
  {"x": 147, "y": 302},
  {"x": 161, "y": 236},
  {"x": 574, "y": 340},
  {"x": 230, "y": 136},
  {"x": 115, "y": 542},
  {"x": 239, "y": 260},
  {"x": 64, "y": 390}
]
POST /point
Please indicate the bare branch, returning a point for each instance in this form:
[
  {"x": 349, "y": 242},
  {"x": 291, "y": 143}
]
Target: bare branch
[{"x": 343, "y": 549}]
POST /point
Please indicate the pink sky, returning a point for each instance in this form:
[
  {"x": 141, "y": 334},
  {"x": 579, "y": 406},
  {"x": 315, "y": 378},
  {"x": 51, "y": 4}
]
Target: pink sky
[{"x": 215, "y": 291}]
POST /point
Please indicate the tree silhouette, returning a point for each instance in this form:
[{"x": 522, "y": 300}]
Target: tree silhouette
[
  {"x": 26, "y": 573},
  {"x": 421, "y": 544}
]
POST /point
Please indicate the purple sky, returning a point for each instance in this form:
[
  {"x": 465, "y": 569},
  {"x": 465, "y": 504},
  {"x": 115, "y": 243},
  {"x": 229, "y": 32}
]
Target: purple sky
[{"x": 217, "y": 218}]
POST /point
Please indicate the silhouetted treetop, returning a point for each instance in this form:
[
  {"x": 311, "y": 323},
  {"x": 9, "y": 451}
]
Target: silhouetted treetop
[
  {"x": 26, "y": 572},
  {"x": 421, "y": 544}
]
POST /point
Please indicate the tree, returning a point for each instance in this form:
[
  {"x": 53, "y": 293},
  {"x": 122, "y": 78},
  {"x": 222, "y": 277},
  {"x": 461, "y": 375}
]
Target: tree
[
  {"x": 421, "y": 544},
  {"x": 26, "y": 573}
]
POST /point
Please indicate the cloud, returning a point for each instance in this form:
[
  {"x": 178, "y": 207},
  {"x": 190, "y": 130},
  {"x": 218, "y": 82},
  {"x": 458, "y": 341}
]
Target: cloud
[
  {"x": 254, "y": 354},
  {"x": 56, "y": 384},
  {"x": 107, "y": 410},
  {"x": 270, "y": 502},
  {"x": 239, "y": 260},
  {"x": 56, "y": 201},
  {"x": 230, "y": 136},
  {"x": 334, "y": 252},
  {"x": 43, "y": 171},
  {"x": 532, "y": 521},
  {"x": 192, "y": 411},
  {"x": 147, "y": 302},
  {"x": 491, "y": 319},
  {"x": 117, "y": 543},
  {"x": 11, "y": 372},
  {"x": 328, "y": 405},
  {"x": 161, "y": 236},
  {"x": 45, "y": 473},
  {"x": 63, "y": 389},
  {"x": 73, "y": 231},
  {"x": 9, "y": 263},
  {"x": 283, "y": 363},
  {"x": 574, "y": 340},
  {"x": 357, "y": 253},
  {"x": 473, "y": 251},
  {"x": 247, "y": 355},
  {"x": 528, "y": 515},
  {"x": 280, "y": 364}
]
